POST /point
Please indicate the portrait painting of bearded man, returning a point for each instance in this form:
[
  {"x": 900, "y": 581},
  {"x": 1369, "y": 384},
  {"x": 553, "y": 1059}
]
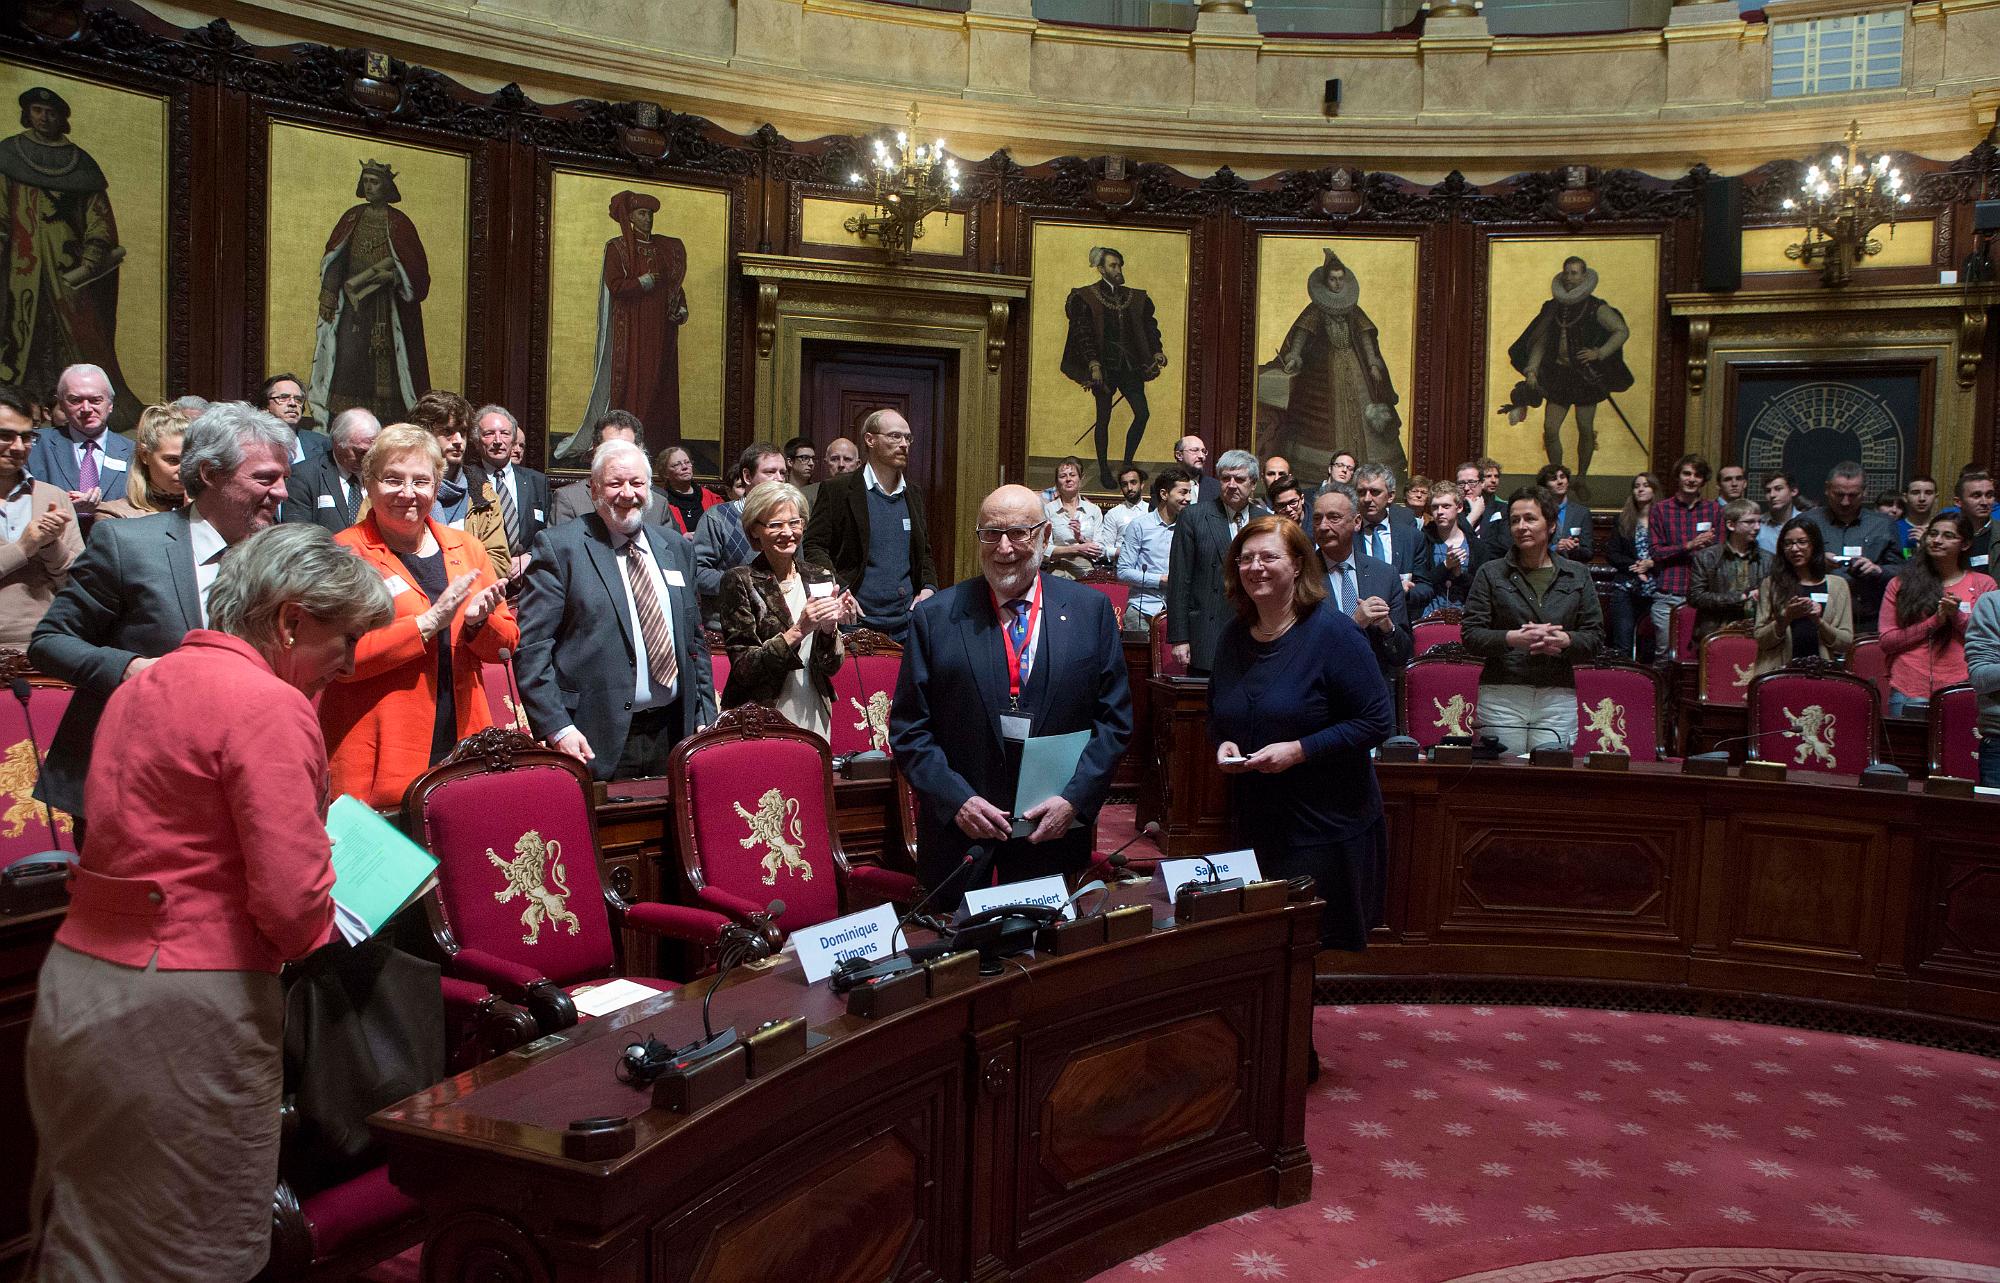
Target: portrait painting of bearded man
[{"x": 374, "y": 278}]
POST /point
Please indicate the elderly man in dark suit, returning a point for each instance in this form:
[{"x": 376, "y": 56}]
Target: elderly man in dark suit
[
  {"x": 616, "y": 698},
  {"x": 990, "y": 663},
  {"x": 327, "y": 490},
  {"x": 1197, "y": 610},
  {"x": 1386, "y": 530},
  {"x": 83, "y": 456},
  {"x": 522, "y": 492},
  {"x": 1366, "y": 590},
  {"x": 869, "y": 525},
  {"x": 142, "y": 583}
]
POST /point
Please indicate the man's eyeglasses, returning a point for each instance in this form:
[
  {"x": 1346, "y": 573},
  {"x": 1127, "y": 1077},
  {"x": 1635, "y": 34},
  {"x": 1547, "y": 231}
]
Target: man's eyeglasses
[
  {"x": 992, "y": 535},
  {"x": 289, "y": 398}
]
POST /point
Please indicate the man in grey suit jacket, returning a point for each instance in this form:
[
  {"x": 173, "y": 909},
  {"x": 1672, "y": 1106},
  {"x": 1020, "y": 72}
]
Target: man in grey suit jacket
[
  {"x": 58, "y": 456},
  {"x": 1197, "y": 610},
  {"x": 1387, "y": 531},
  {"x": 608, "y": 696},
  {"x": 328, "y": 490},
  {"x": 142, "y": 583},
  {"x": 1370, "y": 592}
]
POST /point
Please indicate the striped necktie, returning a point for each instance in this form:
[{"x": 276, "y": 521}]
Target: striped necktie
[
  {"x": 660, "y": 662},
  {"x": 509, "y": 514}
]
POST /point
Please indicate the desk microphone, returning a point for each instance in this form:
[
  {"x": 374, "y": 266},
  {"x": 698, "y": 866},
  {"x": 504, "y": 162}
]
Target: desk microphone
[
  {"x": 1215, "y": 881},
  {"x": 1119, "y": 864},
  {"x": 1722, "y": 747},
  {"x": 649, "y": 1061},
  {"x": 978, "y": 854}
]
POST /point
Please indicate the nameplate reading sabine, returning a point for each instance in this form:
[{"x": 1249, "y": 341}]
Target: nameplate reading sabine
[{"x": 1228, "y": 864}]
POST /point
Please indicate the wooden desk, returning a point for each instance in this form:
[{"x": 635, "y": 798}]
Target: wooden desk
[{"x": 1046, "y": 1123}]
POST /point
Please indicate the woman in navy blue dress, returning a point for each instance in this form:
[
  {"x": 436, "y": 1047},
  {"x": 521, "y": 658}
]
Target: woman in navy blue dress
[{"x": 1295, "y": 694}]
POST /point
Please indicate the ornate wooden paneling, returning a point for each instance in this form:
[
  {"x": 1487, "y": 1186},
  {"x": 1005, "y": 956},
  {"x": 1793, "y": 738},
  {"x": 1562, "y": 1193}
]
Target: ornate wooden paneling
[
  {"x": 1961, "y": 910},
  {"x": 1805, "y": 888}
]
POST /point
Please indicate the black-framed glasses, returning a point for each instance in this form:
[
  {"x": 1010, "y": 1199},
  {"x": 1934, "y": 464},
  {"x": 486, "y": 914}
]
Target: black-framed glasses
[{"x": 992, "y": 535}]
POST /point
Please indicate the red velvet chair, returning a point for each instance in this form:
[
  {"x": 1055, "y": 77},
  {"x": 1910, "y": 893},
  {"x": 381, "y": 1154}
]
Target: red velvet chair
[
  {"x": 500, "y": 698},
  {"x": 1443, "y": 627},
  {"x": 1440, "y": 694},
  {"x": 1680, "y": 626},
  {"x": 1813, "y": 717},
  {"x": 1728, "y": 660},
  {"x": 1954, "y": 732},
  {"x": 1620, "y": 708},
  {"x": 754, "y": 816},
  {"x": 1164, "y": 664},
  {"x": 862, "y": 692},
  {"x": 1108, "y": 583},
  {"x": 718, "y": 663},
  {"x": 338, "y": 1229},
  {"x": 1868, "y": 661},
  {"x": 25, "y": 824},
  {"x": 521, "y": 903}
]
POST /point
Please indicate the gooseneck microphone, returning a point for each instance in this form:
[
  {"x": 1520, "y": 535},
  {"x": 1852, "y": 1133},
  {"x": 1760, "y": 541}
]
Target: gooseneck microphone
[
  {"x": 1117, "y": 859},
  {"x": 979, "y": 854},
  {"x": 649, "y": 1061}
]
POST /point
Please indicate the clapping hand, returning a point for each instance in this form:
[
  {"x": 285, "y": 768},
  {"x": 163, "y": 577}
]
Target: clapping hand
[
  {"x": 481, "y": 605},
  {"x": 44, "y": 529},
  {"x": 438, "y": 618},
  {"x": 1373, "y": 612}
]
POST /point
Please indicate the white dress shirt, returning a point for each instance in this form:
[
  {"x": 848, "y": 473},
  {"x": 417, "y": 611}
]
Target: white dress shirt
[{"x": 209, "y": 546}]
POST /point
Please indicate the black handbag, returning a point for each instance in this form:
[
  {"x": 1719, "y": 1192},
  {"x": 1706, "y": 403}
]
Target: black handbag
[{"x": 364, "y": 1027}]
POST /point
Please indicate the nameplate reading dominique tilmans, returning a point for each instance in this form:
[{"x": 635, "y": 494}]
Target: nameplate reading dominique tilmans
[{"x": 858, "y": 935}]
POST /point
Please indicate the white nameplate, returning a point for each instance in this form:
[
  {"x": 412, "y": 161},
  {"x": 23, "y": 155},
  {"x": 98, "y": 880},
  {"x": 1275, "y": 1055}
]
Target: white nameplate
[
  {"x": 1819, "y": 598},
  {"x": 675, "y": 579},
  {"x": 906, "y": 523},
  {"x": 858, "y": 935},
  {"x": 324, "y": 501},
  {"x": 1228, "y": 864},
  {"x": 116, "y": 465},
  {"x": 1047, "y": 892},
  {"x": 1701, "y": 527},
  {"x": 396, "y": 585},
  {"x": 821, "y": 588}
]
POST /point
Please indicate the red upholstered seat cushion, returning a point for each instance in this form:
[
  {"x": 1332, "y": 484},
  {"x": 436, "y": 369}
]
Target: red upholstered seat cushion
[
  {"x": 759, "y": 810},
  {"x": 507, "y": 711},
  {"x": 517, "y": 870},
  {"x": 1684, "y": 619},
  {"x": 1955, "y": 732},
  {"x": 862, "y": 691},
  {"x": 1728, "y": 661},
  {"x": 1867, "y": 661},
  {"x": 1812, "y": 723},
  {"x": 1617, "y": 711},
  {"x": 1426, "y": 633},
  {"x": 1440, "y": 698},
  {"x": 718, "y": 667},
  {"x": 1164, "y": 664},
  {"x": 24, "y": 824},
  {"x": 353, "y": 1210}
]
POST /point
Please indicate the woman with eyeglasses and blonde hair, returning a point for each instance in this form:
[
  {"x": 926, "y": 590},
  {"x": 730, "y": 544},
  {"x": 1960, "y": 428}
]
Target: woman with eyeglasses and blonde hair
[
  {"x": 781, "y": 614},
  {"x": 154, "y": 483}
]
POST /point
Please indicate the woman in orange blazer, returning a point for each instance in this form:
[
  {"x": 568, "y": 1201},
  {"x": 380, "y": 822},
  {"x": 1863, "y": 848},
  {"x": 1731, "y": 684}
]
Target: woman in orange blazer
[{"x": 415, "y": 691}]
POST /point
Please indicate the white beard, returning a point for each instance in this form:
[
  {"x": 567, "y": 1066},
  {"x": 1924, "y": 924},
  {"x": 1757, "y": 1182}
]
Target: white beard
[
  {"x": 625, "y": 523},
  {"x": 1016, "y": 580}
]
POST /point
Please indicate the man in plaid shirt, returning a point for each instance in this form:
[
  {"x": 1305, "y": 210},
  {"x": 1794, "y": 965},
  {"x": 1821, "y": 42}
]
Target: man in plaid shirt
[{"x": 1680, "y": 526}]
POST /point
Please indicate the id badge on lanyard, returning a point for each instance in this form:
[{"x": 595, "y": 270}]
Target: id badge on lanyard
[{"x": 1014, "y": 725}]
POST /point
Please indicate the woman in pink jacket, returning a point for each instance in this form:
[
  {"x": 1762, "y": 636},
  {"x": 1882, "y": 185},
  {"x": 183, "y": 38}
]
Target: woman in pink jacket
[
  {"x": 154, "y": 1058},
  {"x": 1924, "y": 614}
]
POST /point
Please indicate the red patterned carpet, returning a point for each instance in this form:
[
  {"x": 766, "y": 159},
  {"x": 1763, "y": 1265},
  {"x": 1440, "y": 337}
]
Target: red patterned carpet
[{"x": 1544, "y": 1145}]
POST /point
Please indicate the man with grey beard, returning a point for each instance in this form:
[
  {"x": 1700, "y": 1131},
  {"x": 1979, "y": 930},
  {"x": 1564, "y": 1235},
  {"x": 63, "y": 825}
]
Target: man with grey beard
[
  {"x": 990, "y": 662},
  {"x": 616, "y": 697}
]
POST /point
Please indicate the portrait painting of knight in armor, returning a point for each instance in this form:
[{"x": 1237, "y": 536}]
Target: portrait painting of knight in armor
[
  {"x": 83, "y": 195},
  {"x": 1336, "y": 349},
  {"x": 1107, "y": 375},
  {"x": 638, "y": 303},
  {"x": 1572, "y": 327},
  {"x": 365, "y": 285}
]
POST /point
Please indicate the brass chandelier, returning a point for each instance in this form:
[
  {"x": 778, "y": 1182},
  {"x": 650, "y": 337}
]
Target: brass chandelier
[
  {"x": 1843, "y": 201},
  {"x": 909, "y": 182}
]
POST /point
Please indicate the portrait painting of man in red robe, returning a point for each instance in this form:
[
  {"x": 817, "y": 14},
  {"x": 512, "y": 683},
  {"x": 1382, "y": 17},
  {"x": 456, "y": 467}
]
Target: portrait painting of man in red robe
[
  {"x": 641, "y": 307},
  {"x": 374, "y": 278}
]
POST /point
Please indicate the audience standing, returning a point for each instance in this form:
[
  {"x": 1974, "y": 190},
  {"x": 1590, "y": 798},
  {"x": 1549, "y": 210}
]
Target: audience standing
[
  {"x": 841, "y": 457},
  {"x": 38, "y": 534},
  {"x": 719, "y": 542},
  {"x": 154, "y": 1061},
  {"x": 573, "y": 500},
  {"x": 142, "y": 584},
  {"x": 1573, "y": 538},
  {"x": 1732, "y": 482},
  {"x": 1925, "y": 613},
  {"x": 1445, "y": 559},
  {"x": 87, "y": 461},
  {"x": 1532, "y": 616},
  {"x": 1132, "y": 506},
  {"x": 613, "y": 666},
  {"x": 1364, "y": 588},
  {"x": 1679, "y": 526},
  {"x": 869, "y": 526},
  {"x": 1781, "y": 504},
  {"x": 522, "y": 493},
  {"x": 1385, "y": 532},
  {"x": 1982, "y": 661},
  {"x": 464, "y": 500},
  {"x": 283, "y": 396},
  {"x": 1417, "y": 498},
  {"x": 329, "y": 490},
  {"x": 416, "y": 688},
  {"x": 1975, "y": 500},
  {"x": 1191, "y": 453},
  {"x": 1801, "y": 610},
  {"x": 1862, "y": 546},
  {"x": 1146, "y": 548},
  {"x": 688, "y": 501},
  {"x": 1076, "y": 541},
  {"x": 1725, "y": 581},
  {"x": 781, "y": 615},
  {"x": 1197, "y": 607},
  {"x": 154, "y": 483},
  {"x": 1287, "y": 499}
]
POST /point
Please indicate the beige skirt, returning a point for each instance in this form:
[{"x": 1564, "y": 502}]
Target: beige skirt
[{"x": 155, "y": 1097}]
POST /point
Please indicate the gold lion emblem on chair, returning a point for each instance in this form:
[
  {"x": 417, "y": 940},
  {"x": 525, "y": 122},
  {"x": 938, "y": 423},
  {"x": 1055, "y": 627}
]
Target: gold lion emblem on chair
[
  {"x": 874, "y": 719},
  {"x": 17, "y": 786},
  {"x": 535, "y": 864},
  {"x": 1814, "y": 731},
  {"x": 1607, "y": 721},
  {"x": 1453, "y": 716},
  {"x": 776, "y": 816},
  {"x": 1744, "y": 672}
]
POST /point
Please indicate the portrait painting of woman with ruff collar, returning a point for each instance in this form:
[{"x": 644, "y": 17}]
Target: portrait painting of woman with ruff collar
[
  {"x": 1571, "y": 331},
  {"x": 1331, "y": 380},
  {"x": 365, "y": 280}
]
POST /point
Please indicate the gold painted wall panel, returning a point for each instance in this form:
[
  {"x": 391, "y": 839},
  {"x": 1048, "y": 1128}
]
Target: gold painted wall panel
[
  {"x": 1909, "y": 245},
  {"x": 313, "y": 176},
  {"x": 821, "y": 222},
  {"x": 126, "y": 134}
]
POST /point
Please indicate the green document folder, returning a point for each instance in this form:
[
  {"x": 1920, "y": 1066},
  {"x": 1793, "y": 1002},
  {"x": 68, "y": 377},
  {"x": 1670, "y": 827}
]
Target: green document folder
[
  {"x": 1048, "y": 763},
  {"x": 376, "y": 870}
]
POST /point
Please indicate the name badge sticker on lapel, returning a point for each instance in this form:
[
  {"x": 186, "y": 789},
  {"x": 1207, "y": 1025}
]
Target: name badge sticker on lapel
[
  {"x": 1014, "y": 728},
  {"x": 906, "y": 524},
  {"x": 396, "y": 585},
  {"x": 538, "y": 513},
  {"x": 675, "y": 579},
  {"x": 116, "y": 465},
  {"x": 324, "y": 501}
]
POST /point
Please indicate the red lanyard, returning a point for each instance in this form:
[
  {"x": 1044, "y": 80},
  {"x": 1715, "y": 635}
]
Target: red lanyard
[{"x": 1007, "y": 637}]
